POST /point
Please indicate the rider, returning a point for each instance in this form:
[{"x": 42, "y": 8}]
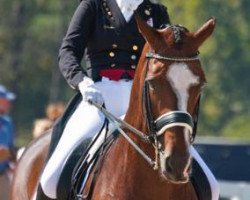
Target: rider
[
  {"x": 6, "y": 140},
  {"x": 105, "y": 33}
]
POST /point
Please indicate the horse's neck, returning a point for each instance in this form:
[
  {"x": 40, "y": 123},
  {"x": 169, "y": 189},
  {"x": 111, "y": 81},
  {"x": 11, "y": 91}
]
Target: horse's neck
[
  {"x": 122, "y": 158},
  {"x": 134, "y": 115},
  {"x": 123, "y": 154}
]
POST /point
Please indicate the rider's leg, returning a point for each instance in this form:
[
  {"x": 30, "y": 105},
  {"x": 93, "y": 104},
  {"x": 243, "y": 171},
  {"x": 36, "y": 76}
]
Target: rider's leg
[
  {"x": 211, "y": 179},
  {"x": 84, "y": 123}
]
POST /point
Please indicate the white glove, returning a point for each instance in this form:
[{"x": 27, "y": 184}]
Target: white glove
[
  {"x": 128, "y": 7},
  {"x": 89, "y": 91}
]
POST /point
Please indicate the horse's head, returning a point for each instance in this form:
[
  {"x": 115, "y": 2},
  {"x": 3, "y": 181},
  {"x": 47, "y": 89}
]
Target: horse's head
[{"x": 173, "y": 81}]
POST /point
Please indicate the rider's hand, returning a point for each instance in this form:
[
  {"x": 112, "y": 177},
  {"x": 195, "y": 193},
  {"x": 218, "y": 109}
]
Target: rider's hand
[
  {"x": 128, "y": 7},
  {"x": 89, "y": 91}
]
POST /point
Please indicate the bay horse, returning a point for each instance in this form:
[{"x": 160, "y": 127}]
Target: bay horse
[
  {"x": 29, "y": 167},
  {"x": 163, "y": 105}
]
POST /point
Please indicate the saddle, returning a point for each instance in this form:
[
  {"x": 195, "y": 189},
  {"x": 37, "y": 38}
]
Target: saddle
[{"x": 81, "y": 162}]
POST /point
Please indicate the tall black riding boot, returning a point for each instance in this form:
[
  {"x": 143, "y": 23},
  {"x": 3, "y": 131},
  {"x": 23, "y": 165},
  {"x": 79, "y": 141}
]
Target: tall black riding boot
[{"x": 40, "y": 194}]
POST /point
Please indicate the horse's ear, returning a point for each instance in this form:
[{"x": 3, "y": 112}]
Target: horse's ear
[
  {"x": 150, "y": 34},
  {"x": 204, "y": 32}
]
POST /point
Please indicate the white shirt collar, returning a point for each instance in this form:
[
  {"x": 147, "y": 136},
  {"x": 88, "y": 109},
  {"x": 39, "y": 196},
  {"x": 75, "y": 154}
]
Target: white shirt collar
[{"x": 128, "y": 7}]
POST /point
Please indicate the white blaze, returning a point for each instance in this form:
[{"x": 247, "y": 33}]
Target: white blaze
[{"x": 181, "y": 79}]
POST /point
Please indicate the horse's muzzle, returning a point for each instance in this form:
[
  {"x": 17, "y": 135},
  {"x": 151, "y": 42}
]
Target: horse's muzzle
[{"x": 175, "y": 170}]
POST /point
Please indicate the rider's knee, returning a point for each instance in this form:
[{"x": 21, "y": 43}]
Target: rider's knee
[{"x": 48, "y": 185}]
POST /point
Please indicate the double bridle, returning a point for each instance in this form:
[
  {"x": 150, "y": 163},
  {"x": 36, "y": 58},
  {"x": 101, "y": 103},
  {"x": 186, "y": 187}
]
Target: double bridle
[
  {"x": 169, "y": 119},
  {"x": 162, "y": 123}
]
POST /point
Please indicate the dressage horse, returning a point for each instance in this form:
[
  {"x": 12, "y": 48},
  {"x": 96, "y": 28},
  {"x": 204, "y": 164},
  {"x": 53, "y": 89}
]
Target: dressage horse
[
  {"x": 163, "y": 106},
  {"x": 29, "y": 167}
]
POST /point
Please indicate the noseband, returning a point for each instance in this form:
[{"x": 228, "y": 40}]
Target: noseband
[{"x": 169, "y": 119}]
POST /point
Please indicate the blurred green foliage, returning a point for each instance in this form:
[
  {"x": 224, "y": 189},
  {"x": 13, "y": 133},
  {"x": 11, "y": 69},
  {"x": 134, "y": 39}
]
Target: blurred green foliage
[
  {"x": 31, "y": 32},
  {"x": 225, "y": 106}
]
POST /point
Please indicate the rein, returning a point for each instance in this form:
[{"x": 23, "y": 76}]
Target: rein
[
  {"x": 162, "y": 123},
  {"x": 118, "y": 123}
]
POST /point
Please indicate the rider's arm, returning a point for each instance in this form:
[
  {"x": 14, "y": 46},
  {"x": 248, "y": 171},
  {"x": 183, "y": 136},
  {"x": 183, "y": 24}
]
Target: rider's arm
[{"x": 75, "y": 42}]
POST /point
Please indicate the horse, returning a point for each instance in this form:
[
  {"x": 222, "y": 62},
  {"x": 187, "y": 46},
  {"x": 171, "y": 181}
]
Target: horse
[
  {"x": 29, "y": 167},
  {"x": 164, "y": 100},
  {"x": 163, "y": 106}
]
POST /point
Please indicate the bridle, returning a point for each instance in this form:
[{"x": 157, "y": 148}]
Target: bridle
[
  {"x": 162, "y": 123},
  {"x": 170, "y": 119}
]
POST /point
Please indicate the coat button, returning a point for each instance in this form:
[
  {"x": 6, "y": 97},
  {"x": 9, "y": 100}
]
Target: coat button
[
  {"x": 133, "y": 66},
  {"x": 135, "y": 47},
  {"x": 109, "y": 13},
  {"x": 113, "y": 65},
  {"x": 114, "y": 46},
  {"x": 133, "y": 57},
  {"x": 147, "y": 12},
  {"x": 111, "y": 54}
]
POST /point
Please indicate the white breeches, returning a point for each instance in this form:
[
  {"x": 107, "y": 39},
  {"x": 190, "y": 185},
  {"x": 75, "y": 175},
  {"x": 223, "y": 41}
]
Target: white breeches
[{"x": 85, "y": 122}]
